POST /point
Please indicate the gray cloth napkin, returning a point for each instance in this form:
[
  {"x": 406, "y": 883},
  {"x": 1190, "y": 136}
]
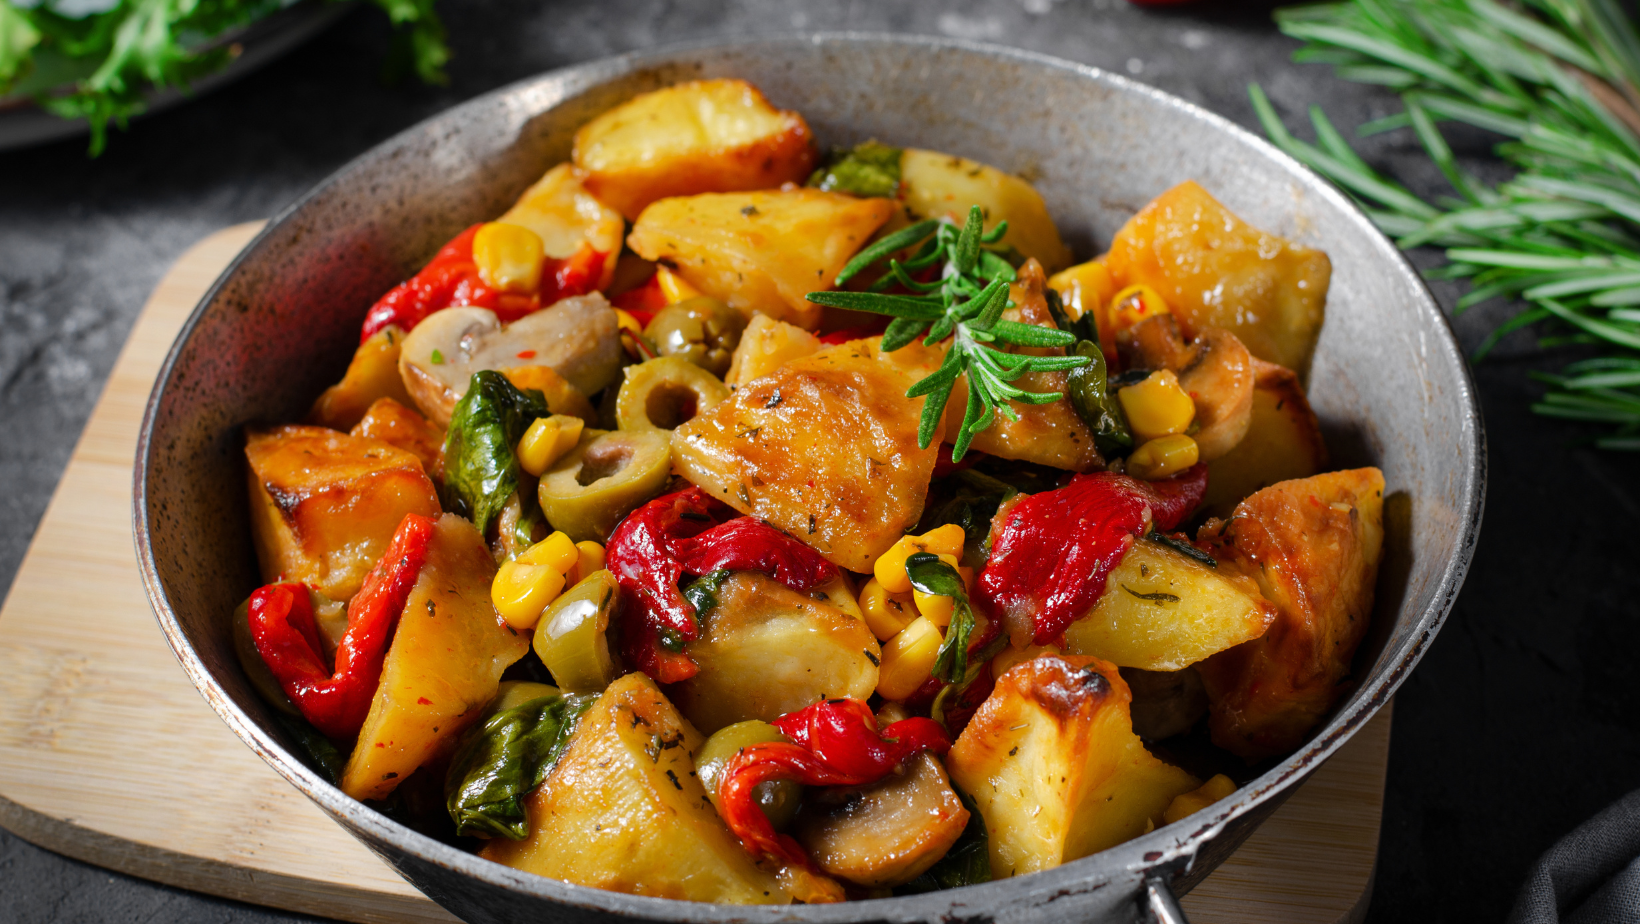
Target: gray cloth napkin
[{"x": 1592, "y": 876}]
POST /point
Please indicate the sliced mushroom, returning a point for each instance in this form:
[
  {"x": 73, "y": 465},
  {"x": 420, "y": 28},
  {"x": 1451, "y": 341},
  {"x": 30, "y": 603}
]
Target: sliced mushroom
[
  {"x": 886, "y": 834},
  {"x": 577, "y": 338},
  {"x": 1215, "y": 370}
]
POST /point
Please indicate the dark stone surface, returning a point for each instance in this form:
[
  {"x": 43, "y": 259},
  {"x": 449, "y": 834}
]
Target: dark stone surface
[{"x": 1523, "y": 719}]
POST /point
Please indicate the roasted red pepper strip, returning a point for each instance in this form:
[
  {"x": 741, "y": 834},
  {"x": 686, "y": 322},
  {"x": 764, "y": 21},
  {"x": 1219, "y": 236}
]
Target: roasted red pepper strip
[
  {"x": 281, "y": 621},
  {"x": 680, "y": 534},
  {"x": 833, "y": 743},
  {"x": 452, "y": 279},
  {"x": 1051, "y": 557}
]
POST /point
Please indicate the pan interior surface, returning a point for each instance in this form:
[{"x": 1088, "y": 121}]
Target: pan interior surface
[{"x": 1388, "y": 384}]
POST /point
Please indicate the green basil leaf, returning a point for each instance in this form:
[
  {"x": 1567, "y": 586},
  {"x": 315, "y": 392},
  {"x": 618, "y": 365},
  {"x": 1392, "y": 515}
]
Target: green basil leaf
[
  {"x": 322, "y": 755},
  {"x": 506, "y": 757},
  {"x": 702, "y": 593},
  {"x": 869, "y": 170},
  {"x": 1096, "y": 404},
  {"x": 932, "y": 576},
  {"x": 480, "y": 466}
]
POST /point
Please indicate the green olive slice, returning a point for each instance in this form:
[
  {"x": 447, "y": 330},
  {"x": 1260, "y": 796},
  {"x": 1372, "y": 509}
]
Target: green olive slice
[
  {"x": 571, "y": 638},
  {"x": 662, "y": 393},
  {"x": 779, "y": 799},
  {"x": 606, "y": 476},
  {"x": 702, "y": 330}
]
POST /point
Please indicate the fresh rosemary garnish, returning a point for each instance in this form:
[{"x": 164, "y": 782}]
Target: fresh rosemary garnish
[
  {"x": 1561, "y": 79},
  {"x": 966, "y": 304}
]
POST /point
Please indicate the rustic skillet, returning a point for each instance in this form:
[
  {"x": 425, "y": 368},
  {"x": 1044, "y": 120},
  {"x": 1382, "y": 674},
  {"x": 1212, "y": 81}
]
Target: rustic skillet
[{"x": 1388, "y": 382}]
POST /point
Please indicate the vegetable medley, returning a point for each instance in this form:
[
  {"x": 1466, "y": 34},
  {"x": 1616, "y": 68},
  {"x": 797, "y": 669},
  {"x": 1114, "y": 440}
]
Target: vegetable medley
[{"x": 731, "y": 523}]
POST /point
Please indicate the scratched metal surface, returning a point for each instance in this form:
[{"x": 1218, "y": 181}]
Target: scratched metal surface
[{"x": 1534, "y": 662}]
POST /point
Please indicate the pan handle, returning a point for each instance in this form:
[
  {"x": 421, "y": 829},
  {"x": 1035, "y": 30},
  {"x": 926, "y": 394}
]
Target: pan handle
[{"x": 1157, "y": 904}]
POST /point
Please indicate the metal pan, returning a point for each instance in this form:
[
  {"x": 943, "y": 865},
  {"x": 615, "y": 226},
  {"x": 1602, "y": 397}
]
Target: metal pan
[{"x": 1388, "y": 383}]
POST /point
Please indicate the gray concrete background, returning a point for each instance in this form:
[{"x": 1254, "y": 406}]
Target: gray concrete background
[{"x": 1521, "y": 721}]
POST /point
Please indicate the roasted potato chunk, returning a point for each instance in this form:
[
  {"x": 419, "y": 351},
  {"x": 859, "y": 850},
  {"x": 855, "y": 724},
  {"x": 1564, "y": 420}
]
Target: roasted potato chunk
[
  {"x": 443, "y": 667},
  {"x": 939, "y": 185},
  {"x": 766, "y": 650},
  {"x": 372, "y": 374},
  {"x": 697, "y": 137},
  {"x": 1162, "y": 611},
  {"x": 1283, "y": 442},
  {"x": 324, "y": 505},
  {"x": 1215, "y": 270},
  {"x": 767, "y": 345},
  {"x": 825, "y": 448},
  {"x": 1053, "y": 764},
  {"x": 624, "y": 811},
  {"x": 560, "y": 210},
  {"x": 1313, "y": 545},
  {"x": 760, "y": 251},
  {"x": 392, "y": 422},
  {"x": 886, "y": 834}
]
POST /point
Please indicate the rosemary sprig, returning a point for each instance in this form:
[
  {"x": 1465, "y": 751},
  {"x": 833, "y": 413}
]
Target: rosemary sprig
[
  {"x": 1561, "y": 79},
  {"x": 966, "y": 304}
]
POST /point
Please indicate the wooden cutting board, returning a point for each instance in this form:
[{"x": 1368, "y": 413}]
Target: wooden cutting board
[{"x": 109, "y": 755}]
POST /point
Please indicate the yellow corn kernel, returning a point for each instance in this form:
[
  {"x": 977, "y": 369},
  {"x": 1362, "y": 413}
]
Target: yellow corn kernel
[
  {"x": 557, "y": 552},
  {"x": 1013, "y": 657},
  {"x": 1158, "y": 406},
  {"x": 546, "y": 440},
  {"x": 886, "y": 614},
  {"x": 508, "y": 257},
  {"x": 1132, "y": 305},
  {"x": 1197, "y": 799},
  {"x": 908, "y": 659},
  {"x": 1163, "y": 457},
  {"x": 890, "y": 566},
  {"x": 673, "y": 286},
  {"x": 521, "y": 590},
  {"x": 589, "y": 558},
  {"x": 625, "y": 321},
  {"x": 938, "y": 607}
]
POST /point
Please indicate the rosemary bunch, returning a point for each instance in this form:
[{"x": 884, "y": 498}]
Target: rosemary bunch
[
  {"x": 1561, "y": 80},
  {"x": 966, "y": 304}
]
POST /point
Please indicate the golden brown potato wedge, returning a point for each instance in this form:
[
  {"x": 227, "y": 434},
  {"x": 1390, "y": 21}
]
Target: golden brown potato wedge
[
  {"x": 1313, "y": 545},
  {"x": 372, "y": 374},
  {"x": 766, "y": 650},
  {"x": 760, "y": 251},
  {"x": 1162, "y": 611},
  {"x": 697, "y": 137},
  {"x": 1053, "y": 764},
  {"x": 939, "y": 185},
  {"x": 886, "y": 834},
  {"x": 443, "y": 667},
  {"x": 1283, "y": 442},
  {"x": 324, "y": 505},
  {"x": 825, "y": 448},
  {"x": 392, "y": 422},
  {"x": 767, "y": 345},
  {"x": 623, "y": 810},
  {"x": 1215, "y": 270},
  {"x": 560, "y": 210}
]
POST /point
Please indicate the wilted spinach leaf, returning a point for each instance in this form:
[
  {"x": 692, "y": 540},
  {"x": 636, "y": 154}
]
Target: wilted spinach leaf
[
  {"x": 868, "y": 169},
  {"x": 503, "y": 759},
  {"x": 480, "y": 467},
  {"x": 322, "y": 755},
  {"x": 1095, "y": 402},
  {"x": 932, "y": 576}
]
